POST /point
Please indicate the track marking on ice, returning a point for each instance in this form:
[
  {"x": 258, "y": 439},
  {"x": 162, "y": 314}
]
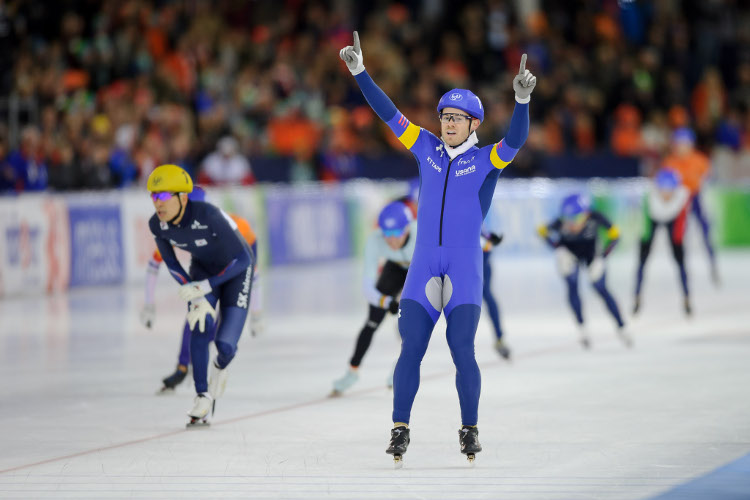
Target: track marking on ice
[{"x": 567, "y": 346}]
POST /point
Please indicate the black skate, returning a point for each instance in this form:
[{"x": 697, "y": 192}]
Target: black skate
[
  {"x": 637, "y": 305},
  {"x": 399, "y": 443},
  {"x": 688, "y": 308},
  {"x": 468, "y": 438},
  {"x": 172, "y": 381}
]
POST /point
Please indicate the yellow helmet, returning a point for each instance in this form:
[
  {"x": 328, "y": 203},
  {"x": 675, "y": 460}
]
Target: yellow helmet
[{"x": 169, "y": 178}]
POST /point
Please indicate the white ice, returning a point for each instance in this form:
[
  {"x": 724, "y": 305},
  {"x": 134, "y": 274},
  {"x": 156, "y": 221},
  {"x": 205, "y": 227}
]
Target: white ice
[{"x": 80, "y": 418}]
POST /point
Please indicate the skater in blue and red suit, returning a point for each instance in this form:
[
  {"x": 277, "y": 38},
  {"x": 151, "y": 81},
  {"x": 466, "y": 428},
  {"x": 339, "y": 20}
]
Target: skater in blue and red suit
[
  {"x": 574, "y": 236},
  {"x": 457, "y": 181},
  {"x": 221, "y": 272},
  {"x": 667, "y": 204}
]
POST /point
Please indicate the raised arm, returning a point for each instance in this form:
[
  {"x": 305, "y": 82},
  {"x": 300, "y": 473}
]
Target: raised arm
[
  {"x": 504, "y": 151},
  {"x": 406, "y": 131}
]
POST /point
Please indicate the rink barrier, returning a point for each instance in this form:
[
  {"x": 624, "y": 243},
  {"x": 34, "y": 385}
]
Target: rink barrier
[{"x": 51, "y": 242}]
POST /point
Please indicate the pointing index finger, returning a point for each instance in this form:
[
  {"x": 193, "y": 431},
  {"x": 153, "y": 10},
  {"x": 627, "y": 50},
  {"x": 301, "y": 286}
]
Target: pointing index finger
[
  {"x": 522, "y": 69},
  {"x": 356, "y": 42}
]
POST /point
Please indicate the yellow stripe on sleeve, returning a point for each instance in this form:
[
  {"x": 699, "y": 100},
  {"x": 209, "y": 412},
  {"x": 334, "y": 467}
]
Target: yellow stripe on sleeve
[
  {"x": 495, "y": 159},
  {"x": 409, "y": 137},
  {"x": 613, "y": 233}
]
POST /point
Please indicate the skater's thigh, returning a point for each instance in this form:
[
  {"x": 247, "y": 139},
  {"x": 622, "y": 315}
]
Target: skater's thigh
[
  {"x": 465, "y": 271},
  {"x": 236, "y": 291}
]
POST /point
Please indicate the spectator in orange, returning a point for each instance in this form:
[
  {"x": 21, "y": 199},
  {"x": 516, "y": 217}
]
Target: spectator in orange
[
  {"x": 709, "y": 99},
  {"x": 693, "y": 167},
  {"x": 626, "y": 135}
]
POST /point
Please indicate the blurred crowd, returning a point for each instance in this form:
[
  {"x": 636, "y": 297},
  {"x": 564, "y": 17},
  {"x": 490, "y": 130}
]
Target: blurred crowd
[{"x": 98, "y": 93}]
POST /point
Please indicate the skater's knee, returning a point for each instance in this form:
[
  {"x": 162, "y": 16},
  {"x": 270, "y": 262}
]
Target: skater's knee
[
  {"x": 226, "y": 351},
  {"x": 600, "y": 286},
  {"x": 679, "y": 252}
]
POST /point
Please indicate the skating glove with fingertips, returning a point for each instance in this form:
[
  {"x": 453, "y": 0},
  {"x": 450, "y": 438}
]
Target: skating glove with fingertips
[
  {"x": 198, "y": 310},
  {"x": 524, "y": 83},
  {"x": 194, "y": 290},
  {"x": 352, "y": 56},
  {"x": 148, "y": 315}
]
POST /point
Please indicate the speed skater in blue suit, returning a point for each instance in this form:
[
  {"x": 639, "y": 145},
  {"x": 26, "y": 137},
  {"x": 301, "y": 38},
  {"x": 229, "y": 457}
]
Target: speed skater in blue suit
[
  {"x": 575, "y": 237},
  {"x": 221, "y": 273},
  {"x": 457, "y": 181}
]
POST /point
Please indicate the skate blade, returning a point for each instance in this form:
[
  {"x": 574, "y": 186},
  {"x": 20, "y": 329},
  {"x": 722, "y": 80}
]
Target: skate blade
[
  {"x": 398, "y": 461},
  {"x": 165, "y": 391},
  {"x": 335, "y": 394},
  {"x": 197, "y": 424},
  {"x": 471, "y": 458}
]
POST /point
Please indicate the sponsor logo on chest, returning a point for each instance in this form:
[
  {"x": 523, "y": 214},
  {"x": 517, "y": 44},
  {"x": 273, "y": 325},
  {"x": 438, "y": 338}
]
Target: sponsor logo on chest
[
  {"x": 201, "y": 242},
  {"x": 178, "y": 245},
  {"x": 433, "y": 164},
  {"x": 163, "y": 225},
  {"x": 466, "y": 171},
  {"x": 197, "y": 225}
]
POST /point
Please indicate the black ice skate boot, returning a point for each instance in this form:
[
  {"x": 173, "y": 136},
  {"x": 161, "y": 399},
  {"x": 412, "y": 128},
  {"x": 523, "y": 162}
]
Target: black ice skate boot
[
  {"x": 399, "y": 443},
  {"x": 687, "y": 307},
  {"x": 468, "y": 438},
  {"x": 174, "y": 379}
]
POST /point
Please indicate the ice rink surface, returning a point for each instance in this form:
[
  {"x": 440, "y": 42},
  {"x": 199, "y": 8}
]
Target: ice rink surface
[{"x": 80, "y": 418}]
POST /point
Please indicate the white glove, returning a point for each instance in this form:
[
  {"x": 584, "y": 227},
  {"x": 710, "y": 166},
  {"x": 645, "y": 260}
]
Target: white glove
[
  {"x": 194, "y": 290},
  {"x": 566, "y": 261},
  {"x": 197, "y": 312},
  {"x": 352, "y": 56},
  {"x": 524, "y": 83},
  {"x": 148, "y": 315},
  {"x": 596, "y": 269}
]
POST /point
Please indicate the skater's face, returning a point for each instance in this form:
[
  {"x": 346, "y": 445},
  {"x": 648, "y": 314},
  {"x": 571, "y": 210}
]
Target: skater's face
[
  {"x": 575, "y": 224},
  {"x": 456, "y": 126},
  {"x": 666, "y": 194},
  {"x": 396, "y": 242},
  {"x": 168, "y": 205}
]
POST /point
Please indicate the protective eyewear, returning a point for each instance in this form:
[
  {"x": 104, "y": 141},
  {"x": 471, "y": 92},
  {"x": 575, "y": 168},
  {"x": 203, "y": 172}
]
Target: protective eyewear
[
  {"x": 162, "y": 196},
  {"x": 574, "y": 219},
  {"x": 392, "y": 233},
  {"x": 456, "y": 117}
]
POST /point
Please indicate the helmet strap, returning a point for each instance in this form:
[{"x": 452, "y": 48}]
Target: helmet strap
[{"x": 180, "y": 212}]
